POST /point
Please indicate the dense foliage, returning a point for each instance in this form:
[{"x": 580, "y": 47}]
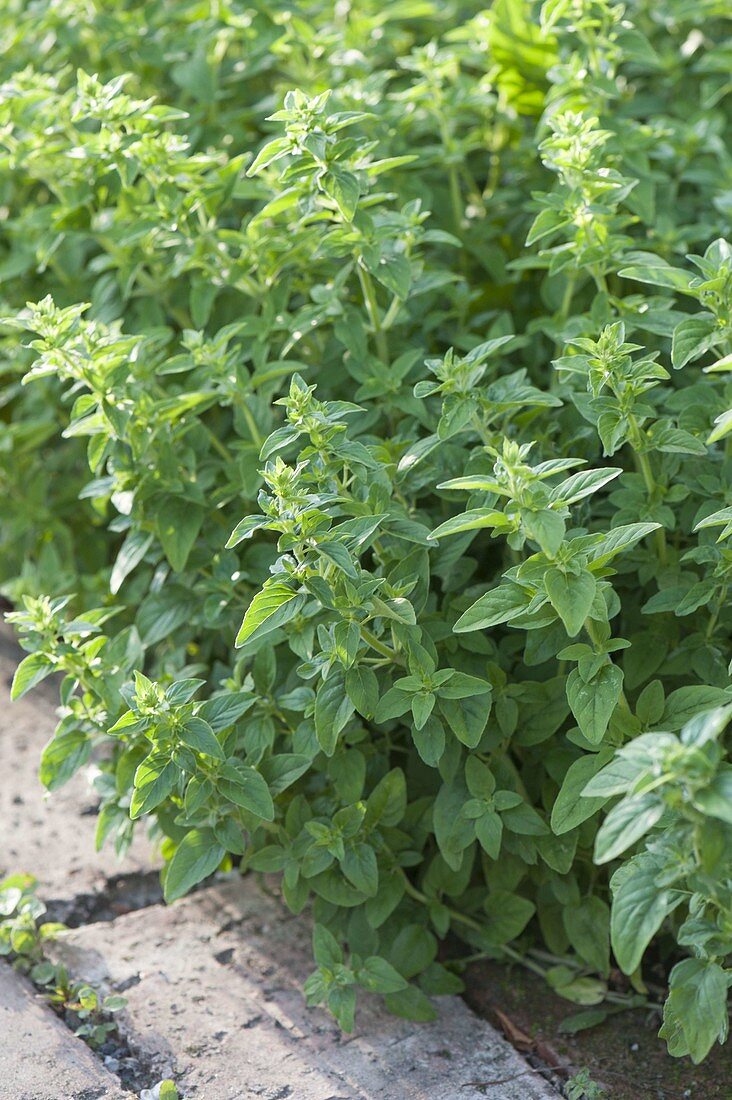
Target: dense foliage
[{"x": 372, "y": 481}]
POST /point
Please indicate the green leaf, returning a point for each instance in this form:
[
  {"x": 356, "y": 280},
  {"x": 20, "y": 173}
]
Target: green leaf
[
  {"x": 245, "y": 787},
  {"x": 587, "y": 924},
  {"x": 582, "y": 1021},
  {"x": 393, "y": 704},
  {"x": 571, "y": 595},
  {"x": 275, "y": 605},
  {"x": 281, "y": 771},
  {"x": 489, "y": 833},
  {"x": 695, "y": 1014},
  {"x": 429, "y": 741},
  {"x": 477, "y": 482},
  {"x": 228, "y": 833},
  {"x": 706, "y": 726},
  {"x": 178, "y": 522},
  {"x": 508, "y": 914},
  {"x": 66, "y": 752},
  {"x": 411, "y": 1004},
  {"x": 686, "y": 703},
  {"x": 715, "y": 799},
  {"x": 333, "y": 709},
  {"x": 581, "y": 991},
  {"x": 480, "y": 779},
  {"x": 244, "y": 529},
  {"x": 522, "y": 818},
  {"x": 131, "y": 553},
  {"x": 422, "y": 706},
  {"x": 467, "y": 718},
  {"x": 393, "y": 271},
  {"x": 583, "y": 484},
  {"x": 620, "y": 774},
  {"x": 271, "y": 858},
  {"x": 362, "y": 688},
  {"x": 570, "y": 809},
  {"x": 545, "y": 224},
  {"x": 462, "y": 686},
  {"x": 198, "y": 735},
  {"x": 360, "y": 868},
  {"x": 647, "y": 267},
  {"x": 502, "y": 604},
  {"x": 625, "y": 824},
  {"x": 196, "y": 857},
  {"x": 342, "y": 1003},
  {"x": 469, "y": 521},
  {"x": 31, "y": 670},
  {"x": 182, "y": 691},
  {"x": 378, "y": 976},
  {"x": 722, "y": 427},
  {"x": 413, "y": 949},
  {"x": 155, "y": 779},
  {"x": 692, "y": 337},
  {"x": 280, "y": 438},
  {"x": 326, "y": 949},
  {"x": 388, "y": 800},
  {"x": 343, "y": 188},
  {"x": 639, "y": 909},
  {"x": 593, "y": 703},
  {"x": 339, "y": 554},
  {"x": 618, "y": 540},
  {"x": 272, "y": 151},
  {"x": 223, "y": 711},
  {"x": 161, "y": 614},
  {"x": 544, "y": 527},
  {"x": 453, "y": 831}
]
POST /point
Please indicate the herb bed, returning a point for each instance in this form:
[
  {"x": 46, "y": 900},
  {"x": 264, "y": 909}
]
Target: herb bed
[{"x": 366, "y": 464}]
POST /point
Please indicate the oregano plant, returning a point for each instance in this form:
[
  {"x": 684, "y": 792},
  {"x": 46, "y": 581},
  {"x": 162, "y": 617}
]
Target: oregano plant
[{"x": 367, "y": 475}]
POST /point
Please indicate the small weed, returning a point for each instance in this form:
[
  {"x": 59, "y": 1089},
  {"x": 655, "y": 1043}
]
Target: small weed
[{"x": 22, "y": 942}]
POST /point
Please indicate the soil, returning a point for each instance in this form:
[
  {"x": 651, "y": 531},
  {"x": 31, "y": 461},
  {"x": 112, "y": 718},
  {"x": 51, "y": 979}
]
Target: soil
[
  {"x": 623, "y": 1055},
  {"x": 122, "y": 894}
]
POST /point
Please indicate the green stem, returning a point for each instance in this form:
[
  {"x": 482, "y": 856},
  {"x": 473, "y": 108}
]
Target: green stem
[
  {"x": 481, "y": 430},
  {"x": 522, "y": 960},
  {"x": 392, "y": 313},
  {"x": 643, "y": 466},
  {"x": 181, "y": 316},
  {"x": 506, "y": 952},
  {"x": 218, "y": 445},
  {"x": 471, "y": 922},
  {"x": 379, "y": 646},
  {"x": 567, "y": 297},
  {"x": 456, "y": 198},
  {"x": 564, "y": 309},
  {"x": 715, "y": 615},
  {"x": 256, "y": 435},
  {"x": 453, "y": 175},
  {"x": 494, "y": 147},
  {"x": 372, "y": 307},
  {"x": 728, "y": 448}
]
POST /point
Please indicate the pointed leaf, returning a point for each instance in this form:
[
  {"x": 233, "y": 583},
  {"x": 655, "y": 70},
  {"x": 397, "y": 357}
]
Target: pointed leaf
[
  {"x": 196, "y": 857},
  {"x": 273, "y": 606}
]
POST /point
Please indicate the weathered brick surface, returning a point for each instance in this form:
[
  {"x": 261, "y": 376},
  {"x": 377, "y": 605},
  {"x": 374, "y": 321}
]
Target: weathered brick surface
[
  {"x": 49, "y": 836},
  {"x": 40, "y": 1059},
  {"x": 213, "y": 988}
]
